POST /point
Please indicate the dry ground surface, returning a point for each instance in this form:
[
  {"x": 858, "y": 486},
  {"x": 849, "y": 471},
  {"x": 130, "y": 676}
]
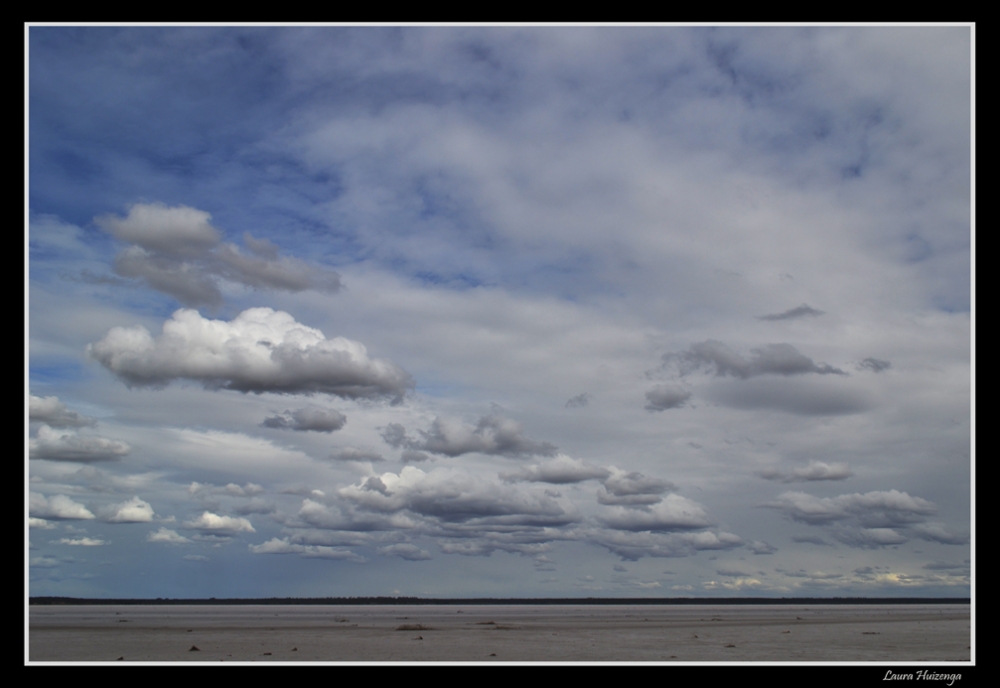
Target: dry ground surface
[{"x": 703, "y": 633}]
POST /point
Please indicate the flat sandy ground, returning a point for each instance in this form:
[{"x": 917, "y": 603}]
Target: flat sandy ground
[{"x": 626, "y": 633}]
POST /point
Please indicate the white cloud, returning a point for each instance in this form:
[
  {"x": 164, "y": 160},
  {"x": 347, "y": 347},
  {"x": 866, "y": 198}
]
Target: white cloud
[
  {"x": 81, "y": 542},
  {"x": 134, "y": 510},
  {"x": 165, "y": 535},
  {"x": 283, "y": 546},
  {"x": 223, "y": 524},
  {"x": 261, "y": 350}
]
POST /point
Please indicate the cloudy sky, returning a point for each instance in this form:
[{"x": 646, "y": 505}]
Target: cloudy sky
[{"x": 499, "y": 311}]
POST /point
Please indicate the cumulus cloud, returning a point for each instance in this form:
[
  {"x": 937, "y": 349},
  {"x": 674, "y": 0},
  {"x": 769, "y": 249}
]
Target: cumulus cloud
[
  {"x": 493, "y": 434},
  {"x": 666, "y": 396},
  {"x": 312, "y": 418},
  {"x": 453, "y": 497},
  {"x": 816, "y": 470},
  {"x": 68, "y": 445},
  {"x": 772, "y": 359},
  {"x": 873, "y": 509},
  {"x": 59, "y": 507},
  {"x": 167, "y": 536},
  {"x": 671, "y": 513},
  {"x": 53, "y": 413},
  {"x": 177, "y": 251},
  {"x": 560, "y": 471},
  {"x": 632, "y": 489},
  {"x": 761, "y": 547},
  {"x": 261, "y": 350},
  {"x": 798, "y": 312},
  {"x": 34, "y": 522},
  {"x": 222, "y": 524},
  {"x": 134, "y": 510}
]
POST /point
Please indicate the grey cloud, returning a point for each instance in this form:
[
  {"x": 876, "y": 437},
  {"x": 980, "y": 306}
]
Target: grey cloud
[
  {"x": 561, "y": 470},
  {"x": 178, "y": 252},
  {"x": 760, "y": 547},
  {"x": 311, "y": 418},
  {"x": 179, "y": 231},
  {"x": 405, "y": 551},
  {"x": 261, "y": 350},
  {"x": 52, "y": 412},
  {"x": 801, "y": 397},
  {"x": 413, "y": 456},
  {"x": 797, "y": 312},
  {"x": 875, "y": 365},
  {"x": 66, "y": 445},
  {"x": 776, "y": 359},
  {"x": 871, "y": 538},
  {"x": 493, "y": 434},
  {"x": 579, "y": 401},
  {"x": 816, "y": 470},
  {"x": 937, "y": 532},
  {"x": 355, "y": 454},
  {"x": 666, "y": 396}
]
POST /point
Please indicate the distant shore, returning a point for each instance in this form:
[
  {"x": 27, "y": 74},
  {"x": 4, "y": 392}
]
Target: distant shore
[{"x": 45, "y": 600}]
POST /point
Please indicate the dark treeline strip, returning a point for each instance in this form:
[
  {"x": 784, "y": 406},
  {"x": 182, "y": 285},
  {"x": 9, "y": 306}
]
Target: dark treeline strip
[{"x": 507, "y": 601}]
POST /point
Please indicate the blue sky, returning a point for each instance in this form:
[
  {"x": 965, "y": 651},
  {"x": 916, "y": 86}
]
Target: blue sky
[{"x": 504, "y": 311}]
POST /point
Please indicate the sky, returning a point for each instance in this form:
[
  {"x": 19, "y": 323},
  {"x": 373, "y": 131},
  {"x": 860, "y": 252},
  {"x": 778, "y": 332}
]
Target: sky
[{"x": 532, "y": 311}]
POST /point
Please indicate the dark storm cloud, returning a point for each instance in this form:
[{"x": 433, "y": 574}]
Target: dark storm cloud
[
  {"x": 666, "y": 396},
  {"x": 797, "y": 312},
  {"x": 775, "y": 359},
  {"x": 875, "y": 365},
  {"x": 178, "y": 252},
  {"x": 305, "y": 419},
  {"x": 261, "y": 350},
  {"x": 52, "y": 412},
  {"x": 492, "y": 434}
]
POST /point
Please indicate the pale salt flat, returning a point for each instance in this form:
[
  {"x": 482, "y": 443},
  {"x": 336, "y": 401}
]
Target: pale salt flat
[{"x": 499, "y": 633}]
